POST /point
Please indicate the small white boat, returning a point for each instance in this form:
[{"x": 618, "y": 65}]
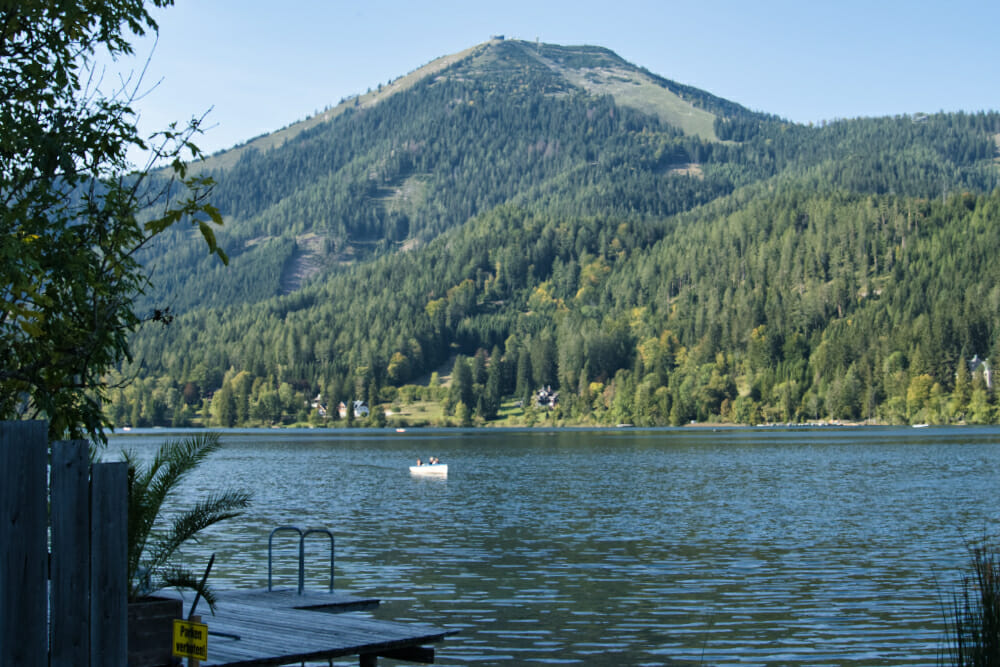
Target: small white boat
[
  {"x": 921, "y": 425},
  {"x": 440, "y": 469}
]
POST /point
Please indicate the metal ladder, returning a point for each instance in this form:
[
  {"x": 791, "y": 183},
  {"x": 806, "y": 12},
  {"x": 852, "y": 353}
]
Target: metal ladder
[{"x": 302, "y": 552}]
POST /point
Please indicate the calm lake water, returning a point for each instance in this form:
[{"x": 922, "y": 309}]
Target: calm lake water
[{"x": 628, "y": 547}]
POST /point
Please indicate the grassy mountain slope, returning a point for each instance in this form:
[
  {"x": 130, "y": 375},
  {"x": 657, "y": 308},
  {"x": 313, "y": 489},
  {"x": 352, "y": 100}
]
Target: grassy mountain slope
[{"x": 558, "y": 216}]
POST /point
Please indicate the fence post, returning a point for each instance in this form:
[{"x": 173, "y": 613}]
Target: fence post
[
  {"x": 109, "y": 565},
  {"x": 24, "y": 541},
  {"x": 69, "y": 590}
]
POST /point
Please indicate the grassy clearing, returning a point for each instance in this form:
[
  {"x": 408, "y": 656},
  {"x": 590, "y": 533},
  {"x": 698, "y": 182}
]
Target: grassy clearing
[
  {"x": 641, "y": 93},
  {"x": 418, "y": 413}
]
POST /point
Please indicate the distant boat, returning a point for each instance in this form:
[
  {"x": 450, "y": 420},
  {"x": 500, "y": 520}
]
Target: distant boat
[
  {"x": 438, "y": 469},
  {"x": 921, "y": 425}
]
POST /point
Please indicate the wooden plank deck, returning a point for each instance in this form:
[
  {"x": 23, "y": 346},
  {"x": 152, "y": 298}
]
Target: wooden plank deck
[
  {"x": 281, "y": 627},
  {"x": 288, "y": 598}
]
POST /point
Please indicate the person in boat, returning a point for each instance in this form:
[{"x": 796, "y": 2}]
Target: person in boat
[{"x": 419, "y": 462}]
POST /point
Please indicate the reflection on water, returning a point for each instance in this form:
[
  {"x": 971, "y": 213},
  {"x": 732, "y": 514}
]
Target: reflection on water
[{"x": 750, "y": 547}]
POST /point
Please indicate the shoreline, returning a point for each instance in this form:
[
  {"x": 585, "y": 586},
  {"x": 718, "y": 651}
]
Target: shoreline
[{"x": 407, "y": 430}]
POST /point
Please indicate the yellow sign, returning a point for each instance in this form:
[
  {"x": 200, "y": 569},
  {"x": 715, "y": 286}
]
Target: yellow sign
[{"x": 190, "y": 640}]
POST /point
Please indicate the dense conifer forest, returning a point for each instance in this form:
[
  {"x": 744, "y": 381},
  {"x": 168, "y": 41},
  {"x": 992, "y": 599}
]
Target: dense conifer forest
[{"x": 534, "y": 216}]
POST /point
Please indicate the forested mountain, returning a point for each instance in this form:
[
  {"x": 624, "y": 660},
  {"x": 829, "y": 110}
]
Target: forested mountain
[{"x": 555, "y": 216}]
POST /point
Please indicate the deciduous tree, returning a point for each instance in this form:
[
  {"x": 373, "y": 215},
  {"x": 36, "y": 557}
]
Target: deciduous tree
[{"x": 73, "y": 209}]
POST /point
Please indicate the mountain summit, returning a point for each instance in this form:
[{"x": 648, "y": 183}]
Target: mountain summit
[
  {"x": 652, "y": 252},
  {"x": 596, "y": 70}
]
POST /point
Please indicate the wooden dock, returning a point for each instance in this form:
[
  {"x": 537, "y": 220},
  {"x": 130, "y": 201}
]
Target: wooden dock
[
  {"x": 287, "y": 598},
  {"x": 281, "y": 627}
]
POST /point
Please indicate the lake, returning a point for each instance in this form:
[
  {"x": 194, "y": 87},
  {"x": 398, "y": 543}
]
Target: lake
[{"x": 634, "y": 547}]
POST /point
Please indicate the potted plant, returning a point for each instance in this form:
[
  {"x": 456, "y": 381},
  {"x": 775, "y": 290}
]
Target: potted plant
[{"x": 153, "y": 542}]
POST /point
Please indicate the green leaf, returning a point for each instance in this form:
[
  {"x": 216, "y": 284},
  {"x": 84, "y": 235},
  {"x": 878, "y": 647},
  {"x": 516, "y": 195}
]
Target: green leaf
[
  {"x": 213, "y": 213},
  {"x": 209, "y": 235},
  {"x": 160, "y": 224}
]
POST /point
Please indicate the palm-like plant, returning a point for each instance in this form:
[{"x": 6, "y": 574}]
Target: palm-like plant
[{"x": 151, "y": 547}]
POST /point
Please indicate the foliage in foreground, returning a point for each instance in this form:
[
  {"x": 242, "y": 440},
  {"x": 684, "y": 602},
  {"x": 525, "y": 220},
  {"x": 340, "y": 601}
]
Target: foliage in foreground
[
  {"x": 974, "y": 625},
  {"x": 154, "y": 541},
  {"x": 70, "y": 207}
]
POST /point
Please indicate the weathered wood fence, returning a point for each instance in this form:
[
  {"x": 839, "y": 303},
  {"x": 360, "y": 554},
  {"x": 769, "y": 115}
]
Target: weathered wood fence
[{"x": 68, "y": 608}]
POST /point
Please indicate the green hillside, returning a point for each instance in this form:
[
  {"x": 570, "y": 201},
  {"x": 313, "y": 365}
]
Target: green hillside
[{"x": 523, "y": 215}]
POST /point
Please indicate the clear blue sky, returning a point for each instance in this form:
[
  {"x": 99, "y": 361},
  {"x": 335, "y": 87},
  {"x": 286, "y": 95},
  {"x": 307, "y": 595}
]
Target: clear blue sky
[{"x": 262, "y": 65}]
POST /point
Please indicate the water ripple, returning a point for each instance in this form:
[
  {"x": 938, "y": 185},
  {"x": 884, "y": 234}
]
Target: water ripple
[{"x": 739, "y": 547}]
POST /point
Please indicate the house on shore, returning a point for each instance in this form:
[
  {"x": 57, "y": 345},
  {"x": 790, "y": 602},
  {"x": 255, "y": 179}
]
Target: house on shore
[
  {"x": 546, "y": 398},
  {"x": 976, "y": 364},
  {"x": 360, "y": 409}
]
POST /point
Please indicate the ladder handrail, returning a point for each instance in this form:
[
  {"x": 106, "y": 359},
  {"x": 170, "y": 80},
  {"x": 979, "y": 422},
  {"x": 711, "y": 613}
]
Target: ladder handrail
[
  {"x": 318, "y": 531},
  {"x": 302, "y": 547},
  {"x": 270, "y": 541}
]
